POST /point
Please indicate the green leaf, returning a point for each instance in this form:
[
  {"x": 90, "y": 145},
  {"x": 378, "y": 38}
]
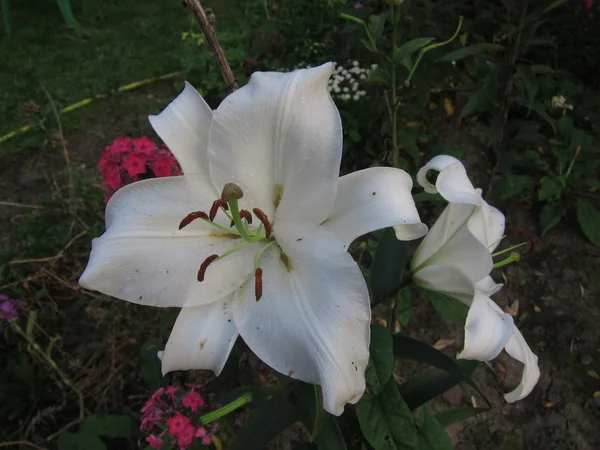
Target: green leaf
[
  {"x": 453, "y": 310},
  {"x": 410, "y": 47},
  {"x": 550, "y": 216},
  {"x": 421, "y": 388},
  {"x": 369, "y": 46},
  {"x": 472, "y": 50},
  {"x": 478, "y": 101},
  {"x": 381, "y": 362},
  {"x": 386, "y": 420},
  {"x": 81, "y": 440},
  {"x": 329, "y": 436},
  {"x": 589, "y": 220},
  {"x": 113, "y": 426},
  {"x": 447, "y": 418},
  {"x": 432, "y": 435},
  {"x": 320, "y": 413},
  {"x": 150, "y": 364},
  {"x": 404, "y": 306},
  {"x": 269, "y": 418},
  {"x": 405, "y": 347},
  {"x": 376, "y": 25},
  {"x": 31, "y": 321},
  {"x": 549, "y": 188},
  {"x": 514, "y": 185},
  {"x": 379, "y": 76},
  {"x": 388, "y": 264}
]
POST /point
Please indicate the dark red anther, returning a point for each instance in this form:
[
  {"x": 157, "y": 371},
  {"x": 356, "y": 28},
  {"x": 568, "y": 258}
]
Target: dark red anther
[
  {"x": 215, "y": 208},
  {"x": 205, "y": 265},
  {"x": 245, "y": 214},
  {"x": 265, "y": 221},
  {"x": 191, "y": 217},
  {"x": 258, "y": 283}
]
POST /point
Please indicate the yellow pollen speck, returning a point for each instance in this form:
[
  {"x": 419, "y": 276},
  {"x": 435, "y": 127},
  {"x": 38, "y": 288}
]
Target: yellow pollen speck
[
  {"x": 277, "y": 195},
  {"x": 217, "y": 234},
  {"x": 286, "y": 261}
]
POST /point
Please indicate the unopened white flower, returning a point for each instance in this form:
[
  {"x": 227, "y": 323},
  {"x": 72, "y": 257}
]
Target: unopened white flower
[
  {"x": 285, "y": 281},
  {"x": 455, "y": 259}
]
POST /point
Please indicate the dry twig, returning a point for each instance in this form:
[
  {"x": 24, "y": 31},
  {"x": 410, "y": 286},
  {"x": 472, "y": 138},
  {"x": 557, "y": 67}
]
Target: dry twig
[{"x": 213, "y": 42}]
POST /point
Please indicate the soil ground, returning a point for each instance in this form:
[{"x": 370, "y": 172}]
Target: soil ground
[{"x": 557, "y": 287}]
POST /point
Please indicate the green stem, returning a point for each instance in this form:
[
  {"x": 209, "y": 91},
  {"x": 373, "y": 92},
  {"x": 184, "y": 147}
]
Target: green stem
[
  {"x": 260, "y": 253},
  {"x": 514, "y": 257},
  {"x": 510, "y": 248},
  {"x": 220, "y": 227},
  {"x": 230, "y": 407},
  {"x": 234, "y": 249},
  {"x": 34, "y": 345},
  {"x": 431, "y": 47},
  {"x": 394, "y": 103},
  {"x": 235, "y": 215}
]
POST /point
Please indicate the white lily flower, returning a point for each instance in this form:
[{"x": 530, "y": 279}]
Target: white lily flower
[
  {"x": 285, "y": 283},
  {"x": 455, "y": 259}
]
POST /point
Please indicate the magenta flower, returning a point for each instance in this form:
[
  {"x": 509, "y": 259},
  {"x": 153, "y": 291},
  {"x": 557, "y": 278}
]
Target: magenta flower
[
  {"x": 358, "y": 5},
  {"x": 193, "y": 400},
  {"x": 8, "y": 308},
  {"x": 155, "y": 441}
]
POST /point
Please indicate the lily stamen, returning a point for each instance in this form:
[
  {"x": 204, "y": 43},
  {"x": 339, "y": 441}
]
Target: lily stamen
[
  {"x": 265, "y": 221},
  {"x": 205, "y": 265},
  {"x": 191, "y": 217},
  {"x": 258, "y": 283},
  {"x": 245, "y": 214},
  {"x": 219, "y": 203}
]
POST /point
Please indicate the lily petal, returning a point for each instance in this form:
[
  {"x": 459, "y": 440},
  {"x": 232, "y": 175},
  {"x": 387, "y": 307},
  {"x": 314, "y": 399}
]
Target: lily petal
[
  {"x": 518, "y": 349},
  {"x": 183, "y": 126},
  {"x": 452, "y": 242},
  {"x": 375, "y": 198},
  {"x": 202, "y": 338},
  {"x": 312, "y": 321},
  {"x": 488, "y": 286},
  {"x": 452, "y": 182},
  {"x": 280, "y": 139},
  {"x": 143, "y": 257},
  {"x": 487, "y": 329},
  {"x": 447, "y": 280}
]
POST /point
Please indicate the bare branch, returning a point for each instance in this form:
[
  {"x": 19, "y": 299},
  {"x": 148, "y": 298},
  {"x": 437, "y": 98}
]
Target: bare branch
[{"x": 213, "y": 43}]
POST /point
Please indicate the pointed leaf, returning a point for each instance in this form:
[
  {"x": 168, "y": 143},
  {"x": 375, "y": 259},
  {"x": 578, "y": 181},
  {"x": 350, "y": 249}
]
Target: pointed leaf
[
  {"x": 472, "y": 50},
  {"x": 269, "y": 418},
  {"x": 421, "y": 388},
  {"x": 550, "y": 216},
  {"x": 381, "y": 362},
  {"x": 386, "y": 421},
  {"x": 113, "y": 426},
  {"x": 447, "y": 418},
  {"x": 450, "y": 308},
  {"x": 410, "y": 47},
  {"x": 405, "y": 347},
  {"x": 388, "y": 264},
  {"x": 589, "y": 219},
  {"x": 432, "y": 435},
  {"x": 81, "y": 440}
]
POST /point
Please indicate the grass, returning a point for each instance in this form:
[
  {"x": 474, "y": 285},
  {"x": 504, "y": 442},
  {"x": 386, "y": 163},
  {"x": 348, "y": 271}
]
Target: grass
[{"x": 118, "y": 43}]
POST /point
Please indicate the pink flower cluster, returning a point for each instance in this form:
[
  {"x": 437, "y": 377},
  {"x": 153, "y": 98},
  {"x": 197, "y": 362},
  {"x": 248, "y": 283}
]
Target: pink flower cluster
[
  {"x": 127, "y": 160},
  {"x": 178, "y": 408}
]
